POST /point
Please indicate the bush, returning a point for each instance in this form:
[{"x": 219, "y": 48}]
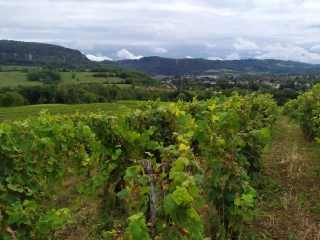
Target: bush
[
  {"x": 44, "y": 75},
  {"x": 100, "y": 75}
]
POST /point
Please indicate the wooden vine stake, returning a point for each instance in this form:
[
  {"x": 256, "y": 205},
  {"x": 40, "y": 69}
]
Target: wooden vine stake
[{"x": 151, "y": 211}]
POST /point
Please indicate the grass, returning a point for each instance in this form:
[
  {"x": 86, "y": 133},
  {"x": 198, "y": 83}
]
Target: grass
[
  {"x": 86, "y": 77},
  {"x": 23, "y": 112},
  {"x": 17, "y": 68},
  {"x": 15, "y": 79},
  {"x": 290, "y": 192},
  {"x": 224, "y": 70},
  {"x": 11, "y": 76}
]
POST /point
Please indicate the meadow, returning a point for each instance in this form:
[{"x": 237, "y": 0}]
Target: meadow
[{"x": 14, "y": 76}]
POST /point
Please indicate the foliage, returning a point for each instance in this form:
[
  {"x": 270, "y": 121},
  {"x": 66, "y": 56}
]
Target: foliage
[
  {"x": 130, "y": 76},
  {"x": 306, "y": 110},
  {"x": 199, "y": 153},
  {"x": 22, "y": 113},
  {"x": 45, "y": 75}
]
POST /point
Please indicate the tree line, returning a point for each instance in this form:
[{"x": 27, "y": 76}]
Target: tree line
[{"x": 99, "y": 93}]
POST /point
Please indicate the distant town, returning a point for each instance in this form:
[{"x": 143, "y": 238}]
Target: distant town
[{"x": 208, "y": 81}]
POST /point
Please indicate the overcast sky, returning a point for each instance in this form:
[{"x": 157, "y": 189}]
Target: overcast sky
[{"x": 130, "y": 29}]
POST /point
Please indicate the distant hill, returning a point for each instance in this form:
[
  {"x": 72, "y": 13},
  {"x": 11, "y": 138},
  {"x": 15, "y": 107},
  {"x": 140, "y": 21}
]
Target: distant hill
[
  {"x": 40, "y": 54},
  {"x": 168, "y": 66}
]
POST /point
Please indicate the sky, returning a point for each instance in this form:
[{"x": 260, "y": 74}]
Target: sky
[{"x": 131, "y": 29}]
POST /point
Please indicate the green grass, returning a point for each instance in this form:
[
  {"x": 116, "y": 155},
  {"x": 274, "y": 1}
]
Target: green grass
[
  {"x": 290, "y": 190},
  {"x": 15, "y": 79},
  {"x": 19, "y": 78},
  {"x": 23, "y": 112},
  {"x": 17, "y": 68},
  {"x": 86, "y": 77}
]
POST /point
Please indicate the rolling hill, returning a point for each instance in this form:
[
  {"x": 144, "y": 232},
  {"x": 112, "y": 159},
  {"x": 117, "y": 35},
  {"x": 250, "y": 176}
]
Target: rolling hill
[
  {"x": 41, "y": 54},
  {"x": 167, "y": 66}
]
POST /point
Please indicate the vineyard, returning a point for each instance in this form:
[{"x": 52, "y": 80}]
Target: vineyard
[
  {"x": 23, "y": 112},
  {"x": 306, "y": 110},
  {"x": 172, "y": 169}
]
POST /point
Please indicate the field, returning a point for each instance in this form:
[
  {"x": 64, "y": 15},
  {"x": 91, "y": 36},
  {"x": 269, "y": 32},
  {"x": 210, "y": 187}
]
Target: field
[
  {"x": 17, "y": 68},
  {"x": 15, "y": 79},
  {"x": 12, "y": 76},
  {"x": 23, "y": 112},
  {"x": 224, "y": 70},
  {"x": 86, "y": 77}
]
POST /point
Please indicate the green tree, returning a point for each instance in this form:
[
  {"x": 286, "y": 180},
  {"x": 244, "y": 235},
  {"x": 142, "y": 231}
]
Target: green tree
[
  {"x": 182, "y": 97},
  {"x": 7, "y": 100}
]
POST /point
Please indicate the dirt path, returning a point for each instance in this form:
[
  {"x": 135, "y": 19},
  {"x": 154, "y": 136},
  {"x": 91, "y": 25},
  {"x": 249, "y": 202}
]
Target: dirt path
[{"x": 290, "y": 204}]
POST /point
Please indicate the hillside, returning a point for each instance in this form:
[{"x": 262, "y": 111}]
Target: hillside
[
  {"x": 168, "y": 66},
  {"x": 40, "y": 54}
]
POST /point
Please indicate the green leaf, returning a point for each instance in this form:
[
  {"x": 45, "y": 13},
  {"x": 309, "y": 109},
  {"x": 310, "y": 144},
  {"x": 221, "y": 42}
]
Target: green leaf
[
  {"x": 123, "y": 194},
  {"x": 202, "y": 137},
  {"x": 194, "y": 191},
  {"x": 247, "y": 197},
  {"x": 12, "y": 187},
  {"x": 10, "y": 179},
  {"x": 169, "y": 204},
  {"x": 32, "y": 205},
  {"x": 144, "y": 189},
  {"x": 131, "y": 172},
  {"x": 144, "y": 179},
  {"x": 184, "y": 119},
  {"x": 152, "y": 145},
  {"x": 193, "y": 214},
  {"x": 195, "y": 228},
  {"x": 136, "y": 216},
  {"x": 181, "y": 195}
]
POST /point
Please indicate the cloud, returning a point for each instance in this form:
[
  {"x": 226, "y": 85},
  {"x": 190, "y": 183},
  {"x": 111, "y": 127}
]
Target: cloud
[
  {"x": 98, "y": 57},
  {"x": 82, "y": 45},
  {"x": 209, "y": 45},
  {"x": 233, "y": 56},
  {"x": 315, "y": 49},
  {"x": 189, "y": 57},
  {"x": 125, "y": 54},
  {"x": 243, "y": 44},
  {"x": 289, "y": 52},
  {"x": 158, "y": 50},
  {"x": 186, "y": 27},
  {"x": 214, "y": 58}
]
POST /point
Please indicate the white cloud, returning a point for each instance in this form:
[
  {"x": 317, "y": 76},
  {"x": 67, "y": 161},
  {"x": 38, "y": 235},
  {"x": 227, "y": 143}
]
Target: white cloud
[
  {"x": 243, "y": 44},
  {"x": 214, "y": 58},
  {"x": 209, "y": 45},
  {"x": 233, "y": 56},
  {"x": 289, "y": 52},
  {"x": 98, "y": 57},
  {"x": 189, "y": 57},
  {"x": 125, "y": 54},
  {"x": 315, "y": 49},
  {"x": 158, "y": 50},
  {"x": 179, "y": 25}
]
